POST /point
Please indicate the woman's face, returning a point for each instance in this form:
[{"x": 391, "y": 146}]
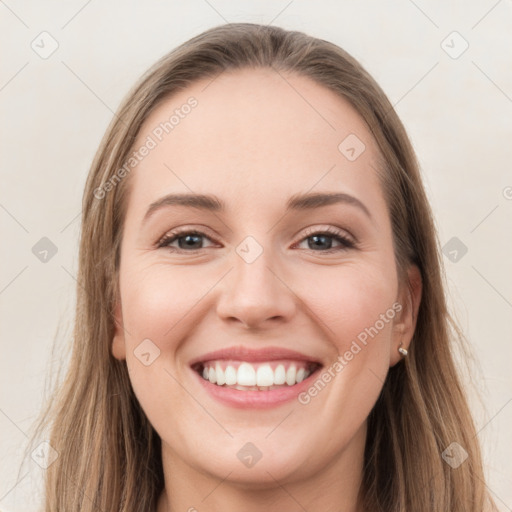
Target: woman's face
[{"x": 271, "y": 288}]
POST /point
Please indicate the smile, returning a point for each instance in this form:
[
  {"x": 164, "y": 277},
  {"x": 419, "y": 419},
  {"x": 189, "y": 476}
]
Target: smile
[{"x": 246, "y": 376}]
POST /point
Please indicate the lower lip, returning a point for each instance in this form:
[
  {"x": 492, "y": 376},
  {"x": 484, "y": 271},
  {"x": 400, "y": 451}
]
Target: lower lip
[{"x": 255, "y": 399}]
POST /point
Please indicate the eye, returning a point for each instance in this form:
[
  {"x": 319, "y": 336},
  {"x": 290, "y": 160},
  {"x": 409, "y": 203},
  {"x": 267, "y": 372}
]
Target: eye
[
  {"x": 323, "y": 240},
  {"x": 188, "y": 241}
]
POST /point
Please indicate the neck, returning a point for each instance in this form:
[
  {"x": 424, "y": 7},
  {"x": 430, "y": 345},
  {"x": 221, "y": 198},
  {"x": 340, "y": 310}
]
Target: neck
[{"x": 334, "y": 488}]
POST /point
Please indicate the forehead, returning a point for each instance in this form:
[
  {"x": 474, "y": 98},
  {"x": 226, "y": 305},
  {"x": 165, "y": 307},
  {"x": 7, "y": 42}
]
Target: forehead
[{"x": 255, "y": 134}]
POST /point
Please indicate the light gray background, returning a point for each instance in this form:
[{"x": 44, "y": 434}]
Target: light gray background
[{"x": 458, "y": 112}]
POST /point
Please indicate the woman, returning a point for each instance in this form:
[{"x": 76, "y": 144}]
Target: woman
[{"x": 261, "y": 322}]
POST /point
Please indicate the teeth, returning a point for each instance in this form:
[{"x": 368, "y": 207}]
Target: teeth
[
  {"x": 264, "y": 376},
  {"x": 221, "y": 379},
  {"x": 250, "y": 377},
  {"x": 230, "y": 376},
  {"x": 246, "y": 376},
  {"x": 290, "y": 375},
  {"x": 280, "y": 375}
]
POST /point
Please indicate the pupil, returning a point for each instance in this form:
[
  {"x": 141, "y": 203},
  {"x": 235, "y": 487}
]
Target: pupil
[
  {"x": 190, "y": 238},
  {"x": 322, "y": 238}
]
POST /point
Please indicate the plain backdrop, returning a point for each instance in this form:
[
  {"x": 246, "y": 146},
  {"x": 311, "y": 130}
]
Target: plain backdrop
[{"x": 447, "y": 68}]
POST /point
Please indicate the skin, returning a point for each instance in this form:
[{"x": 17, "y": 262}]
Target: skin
[{"x": 253, "y": 141}]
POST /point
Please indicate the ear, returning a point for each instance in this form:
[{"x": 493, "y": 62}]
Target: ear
[
  {"x": 118, "y": 342},
  {"x": 404, "y": 325}
]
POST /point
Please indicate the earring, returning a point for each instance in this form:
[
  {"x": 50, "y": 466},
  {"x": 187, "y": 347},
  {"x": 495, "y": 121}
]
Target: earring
[{"x": 402, "y": 351}]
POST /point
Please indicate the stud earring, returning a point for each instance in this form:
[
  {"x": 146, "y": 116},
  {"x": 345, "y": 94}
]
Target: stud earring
[{"x": 402, "y": 351}]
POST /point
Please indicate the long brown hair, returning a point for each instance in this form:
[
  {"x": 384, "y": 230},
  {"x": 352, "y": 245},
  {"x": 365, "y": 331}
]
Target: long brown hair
[{"x": 109, "y": 454}]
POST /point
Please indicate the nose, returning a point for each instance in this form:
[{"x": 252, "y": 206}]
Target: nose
[{"x": 255, "y": 294}]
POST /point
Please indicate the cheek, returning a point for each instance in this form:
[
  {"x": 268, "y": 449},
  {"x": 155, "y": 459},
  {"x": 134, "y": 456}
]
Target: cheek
[
  {"x": 158, "y": 301},
  {"x": 158, "y": 314},
  {"x": 158, "y": 306},
  {"x": 350, "y": 301},
  {"x": 356, "y": 315}
]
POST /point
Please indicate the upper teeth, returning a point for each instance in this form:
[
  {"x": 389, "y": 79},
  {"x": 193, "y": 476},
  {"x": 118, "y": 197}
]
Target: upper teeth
[{"x": 261, "y": 375}]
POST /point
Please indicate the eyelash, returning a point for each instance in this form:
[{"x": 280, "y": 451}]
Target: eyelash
[{"x": 337, "y": 235}]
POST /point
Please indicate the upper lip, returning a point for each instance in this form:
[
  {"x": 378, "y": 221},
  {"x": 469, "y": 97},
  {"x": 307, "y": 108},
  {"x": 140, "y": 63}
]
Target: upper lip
[{"x": 241, "y": 353}]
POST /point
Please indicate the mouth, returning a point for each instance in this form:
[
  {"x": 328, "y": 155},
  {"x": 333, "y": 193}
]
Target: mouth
[
  {"x": 243, "y": 377},
  {"x": 252, "y": 376}
]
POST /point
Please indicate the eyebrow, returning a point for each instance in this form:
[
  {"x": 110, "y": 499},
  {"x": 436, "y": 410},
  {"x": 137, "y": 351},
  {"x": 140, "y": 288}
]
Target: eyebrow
[{"x": 297, "y": 202}]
